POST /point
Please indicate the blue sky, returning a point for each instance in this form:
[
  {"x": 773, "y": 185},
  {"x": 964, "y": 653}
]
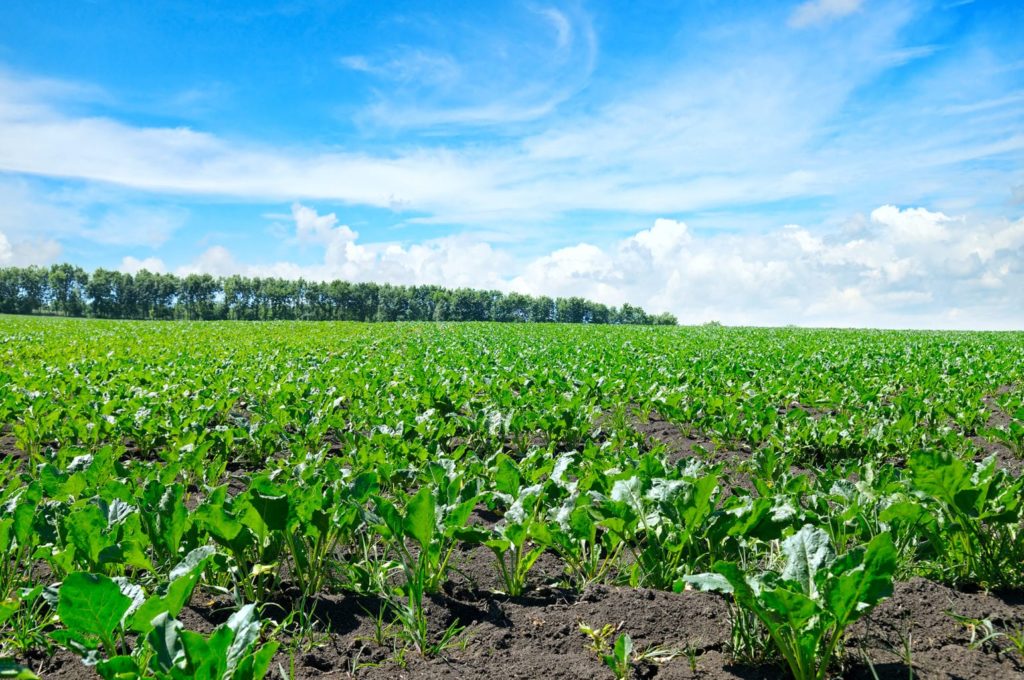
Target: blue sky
[{"x": 839, "y": 162}]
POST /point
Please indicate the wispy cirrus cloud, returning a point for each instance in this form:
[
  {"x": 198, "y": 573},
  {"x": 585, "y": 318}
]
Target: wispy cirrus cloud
[
  {"x": 136, "y": 225},
  {"x": 483, "y": 79},
  {"x": 719, "y": 135},
  {"x": 408, "y": 65},
  {"x": 813, "y": 12}
]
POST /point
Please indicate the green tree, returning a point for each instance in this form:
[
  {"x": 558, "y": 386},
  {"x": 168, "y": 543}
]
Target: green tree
[
  {"x": 102, "y": 289},
  {"x": 33, "y": 289},
  {"x": 67, "y": 285}
]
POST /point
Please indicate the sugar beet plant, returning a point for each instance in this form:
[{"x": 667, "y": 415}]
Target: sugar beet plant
[
  {"x": 807, "y": 607},
  {"x": 264, "y": 467}
]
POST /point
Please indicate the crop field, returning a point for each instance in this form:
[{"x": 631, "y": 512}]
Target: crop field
[{"x": 303, "y": 499}]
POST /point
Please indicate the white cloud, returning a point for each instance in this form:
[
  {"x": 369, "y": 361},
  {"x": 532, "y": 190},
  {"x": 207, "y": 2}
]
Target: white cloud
[
  {"x": 482, "y": 77},
  {"x": 907, "y": 267},
  {"x": 33, "y": 251},
  {"x": 902, "y": 268},
  {"x": 132, "y": 225},
  {"x": 27, "y": 212},
  {"x": 133, "y": 265},
  {"x": 217, "y": 261},
  {"x": 914, "y": 225},
  {"x": 821, "y": 11},
  {"x": 455, "y": 261},
  {"x": 716, "y": 134},
  {"x": 561, "y": 25},
  {"x": 408, "y": 66}
]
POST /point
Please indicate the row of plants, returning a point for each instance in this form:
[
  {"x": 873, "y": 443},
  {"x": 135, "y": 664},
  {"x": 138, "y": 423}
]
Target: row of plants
[{"x": 142, "y": 467}]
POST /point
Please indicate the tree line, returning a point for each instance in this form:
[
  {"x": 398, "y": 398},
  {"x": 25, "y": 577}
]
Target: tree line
[{"x": 67, "y": 290}]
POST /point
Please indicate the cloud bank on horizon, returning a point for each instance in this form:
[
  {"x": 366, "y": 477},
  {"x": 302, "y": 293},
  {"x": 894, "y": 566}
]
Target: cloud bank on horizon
[{"x": 828, "y": 162}]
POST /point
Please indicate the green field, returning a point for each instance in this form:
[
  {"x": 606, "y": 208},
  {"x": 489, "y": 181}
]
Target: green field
[{"x": 161, "y": 477}]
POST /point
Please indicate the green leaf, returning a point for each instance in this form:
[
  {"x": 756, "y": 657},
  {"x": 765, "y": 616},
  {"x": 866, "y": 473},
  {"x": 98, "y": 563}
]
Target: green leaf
[
  {"x": 506, "y": 475},
  {"x": 363, "y": 486},
  {"x": 245, "y": 625},
  {"x": 6, "y": 532},
  {"x": 15, "y": 671},
  {"x": 254, "y": 666},
  {"x": 273, "y": 510},
  {"x": 206, "y": 658},
  {"x": 806, "y": 551},
  {"x": 8, "y": 607},
  {"x": 420, "y": 517},
  {"x": 24, "y": 518},
  {"x": 91, "y": 604},
  {"x": 85, "y": 529},
  {"x": 458, "y": 516},
  {"x": 219, "y": 523},
  {"x": 862, "y": 579},
  {"x": 623, "y": 647},
  {"x": 117, "y": 668},
  {"x": 707, "y": 581},
  {"x": 164, "y": 640},
  {"x": 741, "y": 590},
  {"x": 582, "y": 525},
  {"x": 195, "y": 560},
  {"x": 177, "y": 593},
  {"x": 789, "y": 606},
  {"x": 390, "y": 516}
]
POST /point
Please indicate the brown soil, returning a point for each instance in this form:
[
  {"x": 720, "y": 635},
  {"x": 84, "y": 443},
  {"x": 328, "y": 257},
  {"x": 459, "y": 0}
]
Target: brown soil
[
  {"x": 679, "y": 444},
  {"x": 997, "y": 418},
  {"x": 8, "y": 448},
  {"x": 538, "y": 635}
]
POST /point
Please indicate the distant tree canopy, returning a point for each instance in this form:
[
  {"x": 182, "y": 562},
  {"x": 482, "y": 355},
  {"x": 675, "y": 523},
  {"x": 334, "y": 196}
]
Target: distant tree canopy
[{"x": 71, "y": 291}]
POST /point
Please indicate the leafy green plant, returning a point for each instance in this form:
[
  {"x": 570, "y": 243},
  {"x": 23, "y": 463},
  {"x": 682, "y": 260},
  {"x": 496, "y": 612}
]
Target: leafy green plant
[
  {"x": 510, "y": 538},
  {"x": 25, "y": 617},
  {"x": 982, "y": 631},
  {"x": 807, "y": 607},
  {"x": 589, "y": 551},
  {"x": 984, "y": 635},
  {"x": 433, "y": 542},
  {"x": 662, "y": 522},
  {"x": 1011, "y": 435},
  {"x": 169, "y": 652},
  {"x": 978, "y": 529},
  {"x": 15, "y": 671},
  {"x": 321, "y": 518},
  {"x": 97, "y": 613},
  {"x": 92, "y": 609},
  {"x": 619, "y": 656},
  {"x": 250, "y": 527}
]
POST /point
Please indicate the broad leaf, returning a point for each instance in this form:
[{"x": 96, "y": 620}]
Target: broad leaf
[{"x": 91, "y": 604}]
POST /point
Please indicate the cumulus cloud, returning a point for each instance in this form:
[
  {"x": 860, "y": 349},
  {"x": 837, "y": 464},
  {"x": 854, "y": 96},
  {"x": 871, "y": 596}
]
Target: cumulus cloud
[
  {"x": 456, "y": 261},
  {"x": 26, "y": 252},
  {"x": 898, "y": 267},
  {"x": 821, "y": 11},
  {"x": 217, "y": 261},
  {"x": 133, "y": 265}
]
